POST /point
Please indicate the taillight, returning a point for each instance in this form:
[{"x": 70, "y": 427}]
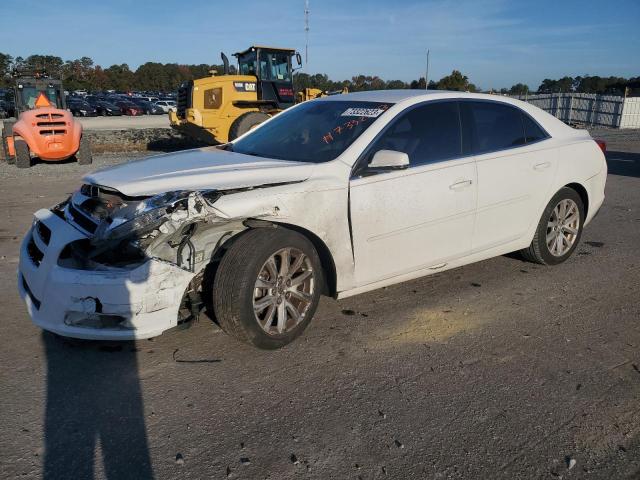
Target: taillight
[{"x": 603, "y": 145}]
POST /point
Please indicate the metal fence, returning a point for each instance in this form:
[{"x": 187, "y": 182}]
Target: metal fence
[{"x": 589, "y": 109}]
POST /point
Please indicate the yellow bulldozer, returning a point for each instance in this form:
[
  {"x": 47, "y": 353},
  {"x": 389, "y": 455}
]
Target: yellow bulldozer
[{"x": 220, "y": 108}]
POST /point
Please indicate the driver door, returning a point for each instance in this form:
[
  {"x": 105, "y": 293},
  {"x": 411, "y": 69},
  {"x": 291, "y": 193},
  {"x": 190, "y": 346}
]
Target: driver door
[{"x": 420, "y": 217}]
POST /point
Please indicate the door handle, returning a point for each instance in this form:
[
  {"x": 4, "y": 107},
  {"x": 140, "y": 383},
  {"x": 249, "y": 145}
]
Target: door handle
[
  {"x": 460, "y": 185},
  {"x": 542, "y": 166}
]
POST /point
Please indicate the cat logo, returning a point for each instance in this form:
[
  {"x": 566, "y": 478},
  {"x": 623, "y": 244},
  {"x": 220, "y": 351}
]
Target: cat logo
[{"x": 244, "y": 86}]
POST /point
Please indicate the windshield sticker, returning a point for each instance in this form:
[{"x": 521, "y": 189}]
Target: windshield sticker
[
  {"x": 363, "y": 112},
  {"x": 331, "y": 135}
]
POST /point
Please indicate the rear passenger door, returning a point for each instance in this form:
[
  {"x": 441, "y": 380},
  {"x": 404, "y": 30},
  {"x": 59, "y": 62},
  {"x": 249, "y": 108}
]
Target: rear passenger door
[
  {"x": 515, "y": 170},
  {"x": 419, "y": 217}
]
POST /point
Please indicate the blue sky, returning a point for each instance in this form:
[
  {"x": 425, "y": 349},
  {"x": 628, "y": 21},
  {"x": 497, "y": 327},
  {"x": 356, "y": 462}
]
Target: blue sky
[{"x": 495, "y": 42}]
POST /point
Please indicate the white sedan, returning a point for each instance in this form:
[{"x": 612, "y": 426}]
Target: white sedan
[
  {"x": 166, "y": 105},
  {"x": 335, "y": 196}
]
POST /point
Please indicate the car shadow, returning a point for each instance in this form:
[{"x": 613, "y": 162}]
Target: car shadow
[{"x": 626, "y": 164}]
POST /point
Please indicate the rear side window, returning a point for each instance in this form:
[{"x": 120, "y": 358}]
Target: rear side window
[
  {"x": 491, "y": 126},
  {"x": 428, "y": 133},
  {"x": 532, "y": 131}
]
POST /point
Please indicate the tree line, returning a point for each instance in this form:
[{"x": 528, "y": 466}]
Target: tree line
[{"x": 82, "y": 73}]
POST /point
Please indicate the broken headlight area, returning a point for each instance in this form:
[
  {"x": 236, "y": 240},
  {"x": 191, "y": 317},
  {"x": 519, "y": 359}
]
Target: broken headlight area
[{"x": 123, "y": 229}]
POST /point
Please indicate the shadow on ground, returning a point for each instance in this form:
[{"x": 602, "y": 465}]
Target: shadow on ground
[
  {"x": 623, "y": 163},
  {"x": 93, "y": 399}
]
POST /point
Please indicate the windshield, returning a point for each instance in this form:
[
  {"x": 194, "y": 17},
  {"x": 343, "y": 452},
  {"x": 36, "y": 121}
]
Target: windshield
[
  {"x": 274, "y": 66},
  {"x": 315, "y": 131},
  {"x": 30, "y": 95}
]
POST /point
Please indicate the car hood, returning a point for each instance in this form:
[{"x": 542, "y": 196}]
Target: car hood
[{"x": 201, "y": 169}]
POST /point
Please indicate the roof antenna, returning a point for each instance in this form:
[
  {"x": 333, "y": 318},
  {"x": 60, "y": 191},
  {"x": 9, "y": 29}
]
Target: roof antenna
[{"x": 306, "y": 31}]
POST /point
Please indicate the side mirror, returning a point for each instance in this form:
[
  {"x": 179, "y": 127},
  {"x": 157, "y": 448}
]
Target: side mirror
[
  {"x": 389, "y": 159},
  {"x": 299, "y": 59}
]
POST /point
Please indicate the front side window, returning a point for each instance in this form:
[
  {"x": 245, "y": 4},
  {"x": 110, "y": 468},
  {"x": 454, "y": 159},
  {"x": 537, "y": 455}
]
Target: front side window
[
  {"x": 491, "y": 126},
  {"x": 314, "y": 131},
  {"x": 427, "y": 133},
  {"x": 247, "y": 64}
]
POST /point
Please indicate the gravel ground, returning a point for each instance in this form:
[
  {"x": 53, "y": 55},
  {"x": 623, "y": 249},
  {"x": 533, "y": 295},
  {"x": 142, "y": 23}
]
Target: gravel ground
[{"x": 501, "y": 369}]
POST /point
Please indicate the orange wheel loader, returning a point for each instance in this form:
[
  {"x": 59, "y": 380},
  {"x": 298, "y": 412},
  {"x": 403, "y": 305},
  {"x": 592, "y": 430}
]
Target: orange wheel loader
[{"x": 44, "y": 129}]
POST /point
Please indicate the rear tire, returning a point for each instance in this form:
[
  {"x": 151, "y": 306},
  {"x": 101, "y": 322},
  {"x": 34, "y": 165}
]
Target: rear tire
[
  {"x": 237, "y": 297},
  {"x": 23, "y": 158},
  {"x": 84, "y": 155},
  {"x": 551, "y": 227},
  {"x": 246, "y": 122}
]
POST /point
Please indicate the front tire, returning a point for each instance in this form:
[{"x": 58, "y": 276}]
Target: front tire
[
  {"x": 10, "y": 159},
  {"x": 246, "y": 122},
  {"x": 23, "y": 157},
  {"x": 84, "y": 155},
  {"x": 267, "y": 287},
  {"x": 559, "y": 230}
]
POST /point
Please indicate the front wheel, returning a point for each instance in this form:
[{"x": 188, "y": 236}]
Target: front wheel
[
  {"x": 559, "y": 229},
  {"x": 84, "y": 155},
  {"x": 246, "y": 122},
  {"x": 267, "y": 287},
  {"x": 23, "y": 157}
]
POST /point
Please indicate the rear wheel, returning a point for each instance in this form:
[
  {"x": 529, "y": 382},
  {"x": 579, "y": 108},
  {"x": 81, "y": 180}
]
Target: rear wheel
[
  {"x": 267, "y": 287},
  {"x": 84, "y": 155},
  {"x": 23, "y": 157},
  {"x": 246, "y": 122},
  {"x": 559, "y": 229}
]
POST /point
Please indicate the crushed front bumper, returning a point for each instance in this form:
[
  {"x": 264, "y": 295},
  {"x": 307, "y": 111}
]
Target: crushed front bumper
[{"x": 115, "y": 304}]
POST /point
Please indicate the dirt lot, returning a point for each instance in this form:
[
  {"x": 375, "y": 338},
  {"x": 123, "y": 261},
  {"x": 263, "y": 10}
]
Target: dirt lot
[{"x": 502, "y": 369}]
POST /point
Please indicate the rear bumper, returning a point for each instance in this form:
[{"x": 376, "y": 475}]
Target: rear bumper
[
  {"x": 596, "y": 186},
  {"x": 115, "y": 304}
]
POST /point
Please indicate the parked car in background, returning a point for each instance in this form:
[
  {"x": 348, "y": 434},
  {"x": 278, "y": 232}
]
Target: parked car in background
[
  {"x": 147, "y": 107},
  {"x": 129, "y": 108},
  {"x": 106, "y": 109},
  {"x": 336, "y": 196},
  {"x": 167, "y": 105},
  {"x": 80, "y": 108},
  {"x": 148, "y": 98}
]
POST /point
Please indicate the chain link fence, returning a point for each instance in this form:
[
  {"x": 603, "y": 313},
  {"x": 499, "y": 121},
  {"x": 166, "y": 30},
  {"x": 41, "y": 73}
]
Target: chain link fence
[{"x": 589, "y": 109}]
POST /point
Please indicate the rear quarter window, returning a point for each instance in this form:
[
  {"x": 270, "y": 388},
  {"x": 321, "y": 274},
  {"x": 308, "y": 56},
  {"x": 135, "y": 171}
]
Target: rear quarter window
[{"x": 532, "y": 131}]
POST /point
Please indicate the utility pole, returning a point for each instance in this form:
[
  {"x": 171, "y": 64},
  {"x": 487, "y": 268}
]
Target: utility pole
[
  {"x": 306, "y": 31},
  {"x": 426, "y": 76}
]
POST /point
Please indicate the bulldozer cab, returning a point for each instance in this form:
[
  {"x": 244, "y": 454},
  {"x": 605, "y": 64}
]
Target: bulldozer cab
[
  {"x": 274, "y": 71},
  {"x": 29, "y": 93}
]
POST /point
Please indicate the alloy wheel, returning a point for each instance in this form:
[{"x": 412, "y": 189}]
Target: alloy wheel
[
  {"x": 283, "y": 291},
  {"x": 563, "y": 227}
]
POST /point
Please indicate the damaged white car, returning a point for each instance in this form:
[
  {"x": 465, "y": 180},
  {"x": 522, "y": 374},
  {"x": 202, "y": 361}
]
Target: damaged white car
[{"x": 335, "y": 196}]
